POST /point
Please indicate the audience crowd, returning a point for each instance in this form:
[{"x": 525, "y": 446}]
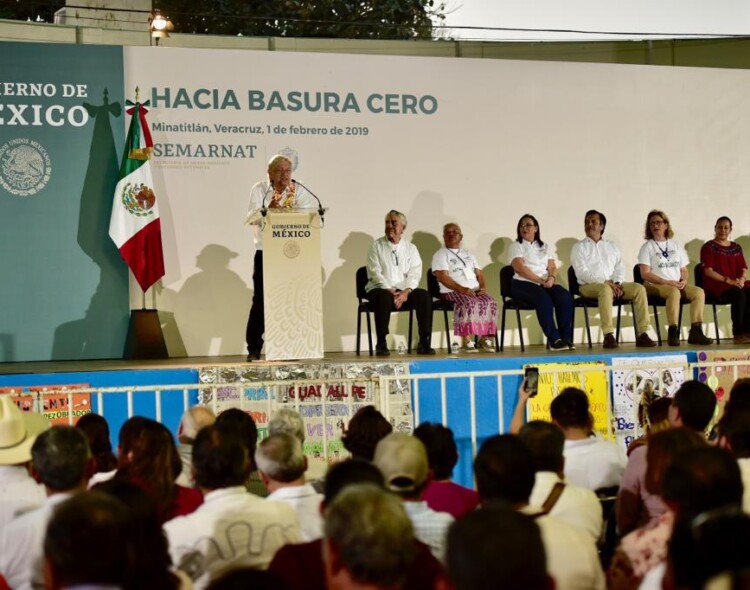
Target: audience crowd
[{"x": 160, "y": 514}]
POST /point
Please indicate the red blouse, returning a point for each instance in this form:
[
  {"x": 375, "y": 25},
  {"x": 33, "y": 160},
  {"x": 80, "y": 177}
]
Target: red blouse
[{"x": 728, "y": 261}]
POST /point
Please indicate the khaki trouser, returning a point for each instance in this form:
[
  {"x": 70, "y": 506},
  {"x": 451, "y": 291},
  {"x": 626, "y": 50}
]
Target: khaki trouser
[
  {"x": 605, "y": 295},
  {"x": 672, "y": 295}
]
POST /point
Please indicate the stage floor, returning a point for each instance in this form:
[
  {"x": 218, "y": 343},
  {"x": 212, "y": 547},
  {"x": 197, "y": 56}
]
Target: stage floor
[{"x": 510, "y": 352}]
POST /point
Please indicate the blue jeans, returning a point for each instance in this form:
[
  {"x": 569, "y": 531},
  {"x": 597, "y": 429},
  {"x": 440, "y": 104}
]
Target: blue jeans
[{"x": 546, "y": 301}]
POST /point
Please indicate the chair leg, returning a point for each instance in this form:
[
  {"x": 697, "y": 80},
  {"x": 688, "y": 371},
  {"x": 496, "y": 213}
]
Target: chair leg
[
  {"x": 635, "y": 323},
  {"x": 497, "y": 343},
  {"x": 447, "y": 334},
  {"x": 502, "y": 331},
  {"x": 588, "y": 325},
  {"x": 619, "y": 317},
  {"x": 369, "y": 333},
  {"x": 411, "y": 321},
  {"x": 716, "y": 324},
  {"x": 656, "y": 324},
  {"x": 359, "y": 330},
  {"x": 520, "y": 329}
]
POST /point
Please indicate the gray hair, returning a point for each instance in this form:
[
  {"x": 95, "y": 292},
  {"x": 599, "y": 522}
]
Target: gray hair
[
  {"x": 394, "y": 213},
  {"x": 289, "y": 421},
  {"x": 274, "y": 162},
  {"x": 192, "y": 421},
  {"x": 371, "y": 533},
  {"x": 281, "y": 458}
]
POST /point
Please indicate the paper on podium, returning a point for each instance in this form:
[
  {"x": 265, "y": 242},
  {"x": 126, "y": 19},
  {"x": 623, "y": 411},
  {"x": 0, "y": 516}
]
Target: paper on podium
[{"x": 254, "y": 217}]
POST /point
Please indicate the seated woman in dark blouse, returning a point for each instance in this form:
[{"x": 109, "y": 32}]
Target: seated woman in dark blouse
[{"x": 725, "y": 276}]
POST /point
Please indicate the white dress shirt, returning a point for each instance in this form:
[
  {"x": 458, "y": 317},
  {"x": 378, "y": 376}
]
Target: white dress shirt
[
  {"x": 230, "y": 530},
  {"x": 535, "y": 257},
  {"x": 597, "y": 262},
  {"x": 261, "y": 195},
  {"x": 306, "y": 504},
  {"x": 393, "y": 266}
]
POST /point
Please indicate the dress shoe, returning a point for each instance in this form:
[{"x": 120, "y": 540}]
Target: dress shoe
[
  {"x": 673, "y": 336},
  {"x": 697, "y": 336},
  {"x": 382, "y": 350},
  {"x": 253, "y": 355},
  {"x": 644, "y": 341},
  {"x": 425, "y": 349},
  {"x": 609, "y": 341}
]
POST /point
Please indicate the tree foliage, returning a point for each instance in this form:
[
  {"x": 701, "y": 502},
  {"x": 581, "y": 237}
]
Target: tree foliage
[{"x": 351, "y": 19}]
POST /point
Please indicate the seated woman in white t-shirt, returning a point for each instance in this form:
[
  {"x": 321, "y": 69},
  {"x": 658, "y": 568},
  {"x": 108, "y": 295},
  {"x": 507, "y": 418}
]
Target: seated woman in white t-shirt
[
  {"x": 535, "y": 281},
  {"x": 664, "y": 267},
  {"x": 462, "y": 282}
]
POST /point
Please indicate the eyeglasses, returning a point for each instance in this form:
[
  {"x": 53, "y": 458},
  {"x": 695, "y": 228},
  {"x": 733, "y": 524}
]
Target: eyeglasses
[
  {"x": 527, "y": 226},
  {"x": 656, "y": 222},
  {"x": 395, "y": 257}
]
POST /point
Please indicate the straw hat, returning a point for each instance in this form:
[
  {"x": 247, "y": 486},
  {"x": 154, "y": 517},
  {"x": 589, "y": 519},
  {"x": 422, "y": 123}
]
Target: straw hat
[{"x": 18, "y": 431}]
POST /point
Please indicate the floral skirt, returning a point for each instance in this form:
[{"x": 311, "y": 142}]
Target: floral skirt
[{"x": 473, "y": 316}]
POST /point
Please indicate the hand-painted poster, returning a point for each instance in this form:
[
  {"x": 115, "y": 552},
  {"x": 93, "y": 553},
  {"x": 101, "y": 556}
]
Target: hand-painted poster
[
  {"x": 636, "y": 383},
  {"x": 554, "y": 377},
  {"x": 329, "y": 396},
  {"x": 54, "y": 401}
]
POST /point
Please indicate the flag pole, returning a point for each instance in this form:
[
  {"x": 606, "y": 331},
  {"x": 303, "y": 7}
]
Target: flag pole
[{"x": 135, "y": 227}]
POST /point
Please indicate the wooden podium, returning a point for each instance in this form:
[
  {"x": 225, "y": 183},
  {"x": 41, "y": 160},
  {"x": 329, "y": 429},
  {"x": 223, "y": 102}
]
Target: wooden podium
[{"x": 292, "y": 285}]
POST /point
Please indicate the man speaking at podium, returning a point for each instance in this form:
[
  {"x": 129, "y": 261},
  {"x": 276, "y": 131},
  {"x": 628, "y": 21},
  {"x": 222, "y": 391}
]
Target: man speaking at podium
[{"x": 280, "y": 191}]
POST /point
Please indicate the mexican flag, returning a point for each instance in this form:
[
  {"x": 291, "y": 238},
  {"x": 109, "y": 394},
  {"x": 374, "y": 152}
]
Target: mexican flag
[{"x": 135, "y": 226}]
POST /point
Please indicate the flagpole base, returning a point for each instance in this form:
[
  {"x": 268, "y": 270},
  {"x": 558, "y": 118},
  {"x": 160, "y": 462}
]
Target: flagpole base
[{"x": 145, "y": 339}]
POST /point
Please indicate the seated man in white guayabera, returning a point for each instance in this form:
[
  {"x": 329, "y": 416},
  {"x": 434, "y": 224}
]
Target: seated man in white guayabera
[
  {"x": 601, "y": 275},
  {"x": 232, "y": 528},
  {"x": 394, "y": 269},
  {"x": 281, "y": 464}
]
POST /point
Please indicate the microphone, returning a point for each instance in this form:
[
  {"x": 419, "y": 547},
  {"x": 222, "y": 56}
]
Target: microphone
[
  {"x": 321, "y": 210},
  {"x": 263, "y": 208}
]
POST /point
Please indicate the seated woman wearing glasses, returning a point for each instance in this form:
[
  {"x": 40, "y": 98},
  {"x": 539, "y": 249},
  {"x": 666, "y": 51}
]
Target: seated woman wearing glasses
[
  {"x": 462, "y": 282},
  {"x": 663, "y": 264},
  {"x": 535, "y": 281},
  {"x": 725, "y": 272}
]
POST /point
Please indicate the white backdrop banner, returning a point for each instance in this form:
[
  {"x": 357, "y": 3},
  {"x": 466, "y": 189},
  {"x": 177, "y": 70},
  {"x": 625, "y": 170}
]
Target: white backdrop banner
[{"x": 478, "y": 142}]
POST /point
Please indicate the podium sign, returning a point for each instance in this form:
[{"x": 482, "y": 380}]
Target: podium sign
[{"x": 292, "y": 285}]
